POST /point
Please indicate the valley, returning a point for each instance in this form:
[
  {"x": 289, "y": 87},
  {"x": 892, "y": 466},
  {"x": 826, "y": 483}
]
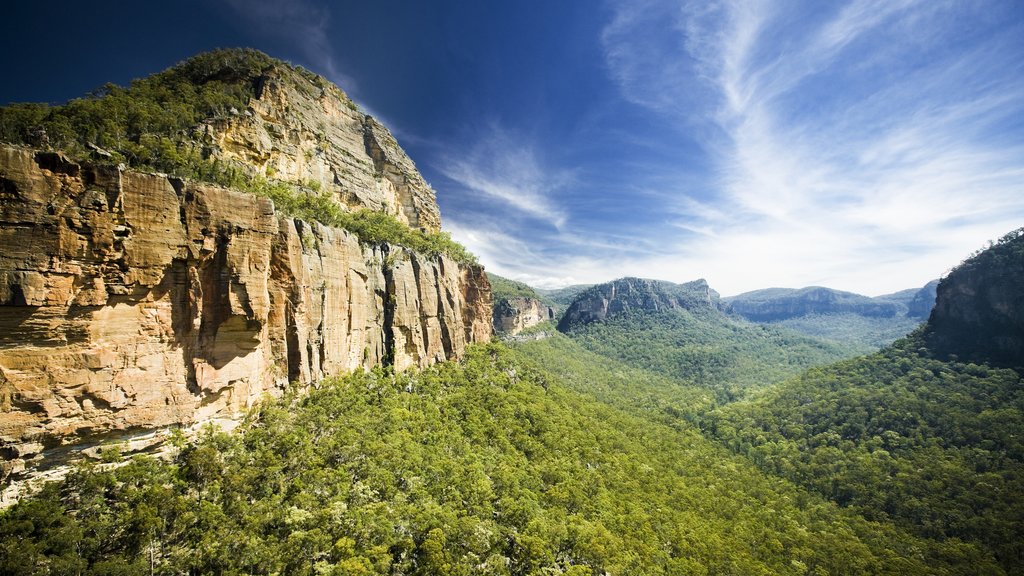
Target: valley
[{"x": 235, "y": 263}]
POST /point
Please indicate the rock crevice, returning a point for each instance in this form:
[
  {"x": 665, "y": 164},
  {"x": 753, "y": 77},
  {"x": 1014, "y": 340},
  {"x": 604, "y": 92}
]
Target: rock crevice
[{"x": 131, "y": 301}]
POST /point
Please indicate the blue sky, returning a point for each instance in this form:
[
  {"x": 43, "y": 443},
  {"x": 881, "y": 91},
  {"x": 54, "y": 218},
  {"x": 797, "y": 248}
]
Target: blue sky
[{"x": 862, "y": 145}]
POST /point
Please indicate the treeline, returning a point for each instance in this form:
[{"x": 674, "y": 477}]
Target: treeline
[
  {"x": 481, "y": 467},
  {"x": 933, "y": 446},
  {"x": 706, "y": 348}
]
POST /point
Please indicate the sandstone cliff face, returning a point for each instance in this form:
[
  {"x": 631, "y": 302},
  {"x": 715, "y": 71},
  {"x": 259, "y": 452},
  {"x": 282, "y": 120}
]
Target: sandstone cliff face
[
  {"x": 130, "y": 301},
  {"x": 979, "y": 310},
  {"x": 635, "y": 294},
  {"x": 305, "y": 130},
  {"x": 513, "y": 315}
]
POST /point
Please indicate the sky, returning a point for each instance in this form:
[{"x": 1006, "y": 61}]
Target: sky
[{"x": 865, "y": 145}]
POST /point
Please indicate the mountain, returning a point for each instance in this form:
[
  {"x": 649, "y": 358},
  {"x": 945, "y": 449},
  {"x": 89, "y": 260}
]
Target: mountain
[
  {"x": 773, "y": 304},
  {"x": 562, "y": 297},
  {"x": 517, "y": 306},
  {"x": 600, "y": 302},
  {"x": 979, "y": 314},
  {"x": 678, "y": 330},
  {"x": 925, "y": 433},
  {"x": 918, "y": 301},
  {"x": 860, "y": 323},
  {"x": 292, "y": 240}
]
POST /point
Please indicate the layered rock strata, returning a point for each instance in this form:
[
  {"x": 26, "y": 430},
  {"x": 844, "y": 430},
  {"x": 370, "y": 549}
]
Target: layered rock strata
[
  {"x": 130, "y": 301},
  {"x": 300, "y": 128},
  {"x": 602, "y": 301},
  {"x": 513, "y": 315}
]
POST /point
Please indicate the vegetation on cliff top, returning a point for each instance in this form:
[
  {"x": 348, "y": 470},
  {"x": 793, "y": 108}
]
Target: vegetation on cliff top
[
  {"x": 479, "y": 467},
  {"x": 504, "y": 288},
  {"x": 150, "y": 125}
]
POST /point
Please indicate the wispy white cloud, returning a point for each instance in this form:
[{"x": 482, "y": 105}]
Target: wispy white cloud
[
  {"x": 509, "y": 170},
  {"x": 851, "y": 148},
  {"x": 301, "y": 22}
]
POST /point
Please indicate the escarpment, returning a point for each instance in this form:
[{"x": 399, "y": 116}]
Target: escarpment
[
  {"x": 131, "y": 300},
  {"x": 979, "y": 310},
  {"x": 600, "y": 302},
  {"x": 513, "y": 315},
  {"x": 300, "y": 128}
]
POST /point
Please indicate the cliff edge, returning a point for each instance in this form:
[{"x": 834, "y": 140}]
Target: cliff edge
[
  {"x": 979, "y": 308},
  {"x": 132, "y": 300}
]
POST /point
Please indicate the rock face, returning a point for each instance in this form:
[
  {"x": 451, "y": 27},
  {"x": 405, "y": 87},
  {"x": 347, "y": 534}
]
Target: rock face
[
  {"x": 301, "y": 128},
  {"x": 513, "y": 315},
  {"x": 774, "y": 304},
  {"x": 130, "y": 301},
  {"x": 635, "y": 294},
  {"x": 979, "y": 310},
  {"x": 920, "y": 306}
]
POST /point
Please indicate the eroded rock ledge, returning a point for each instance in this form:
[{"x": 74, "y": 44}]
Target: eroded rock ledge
[{"x": 132, "y": 301}]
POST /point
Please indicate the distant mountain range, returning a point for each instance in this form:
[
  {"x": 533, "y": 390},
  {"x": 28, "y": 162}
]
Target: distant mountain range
[
  {"x": 859, "y": 323},
  {"x": 776, "y": 304}
]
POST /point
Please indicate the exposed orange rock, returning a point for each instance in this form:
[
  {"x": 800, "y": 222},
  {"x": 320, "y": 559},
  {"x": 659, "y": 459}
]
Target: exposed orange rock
[{"x": 132, "y": 301}]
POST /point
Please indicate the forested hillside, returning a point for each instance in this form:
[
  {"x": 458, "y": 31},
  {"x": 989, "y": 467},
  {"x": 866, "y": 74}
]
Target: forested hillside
[
  {"x": 912, "y": 434},
  {"x": 705, "y": 347},
  {"x": 480, "y": 467},
  {"x": 858, "y": 323}
]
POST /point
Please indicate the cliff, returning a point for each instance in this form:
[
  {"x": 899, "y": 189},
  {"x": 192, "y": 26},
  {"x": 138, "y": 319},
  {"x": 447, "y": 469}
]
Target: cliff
[
  {"x": 635, "y": 294},
  {"x": 131, "y": 300},
  {"x": 517, "y": 306},
  {"x": 513, "y": 315},
  {"x": 300, "y": 128},
  {"x": 979, "y": 309},
  {"x": 920, "y": 306}
]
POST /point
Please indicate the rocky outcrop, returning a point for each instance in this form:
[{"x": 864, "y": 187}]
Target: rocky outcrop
[
  {"x": 300, "y": 128},
  {"x": 130, "y": 301},
  {"x": 774, "y": 304},
  {"x": 920, "y": 306},
  {"x": 979, "y": 310},
  {"x": 635, "y": 294},
  {"x": 513, "y": 315}
]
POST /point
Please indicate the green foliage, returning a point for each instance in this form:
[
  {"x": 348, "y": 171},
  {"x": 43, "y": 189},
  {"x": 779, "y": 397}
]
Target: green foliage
[
  {"x": 705, "y": 348},
  {"x": 149, "y": 125},
  {"x": 651, "y": 395},
  {"x": 898, "y": 436},
  {"x": 370, "y": 226},
  {"x": 140, "y": 124},
  {"x": 856, "y": 333},
  {"x": 563, "y": 297},
  {"x": 504, "y": 289},
  {"x": 1007, "y": 251},
  {"x": 480, "y": 467}
]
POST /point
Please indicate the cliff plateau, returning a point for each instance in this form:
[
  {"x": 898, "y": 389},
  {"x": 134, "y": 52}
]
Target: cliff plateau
[
  {"x": 133, "y": 300},
  {"x": 979, "y": 311}
]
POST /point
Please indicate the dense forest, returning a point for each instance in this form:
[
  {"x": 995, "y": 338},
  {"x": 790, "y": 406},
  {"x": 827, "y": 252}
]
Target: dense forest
[
  {"x": 487, "y": 466},
  {"x": 857, "y": 333},
  {"x": 932, "y": 445},
  {"x": 705, "y": 347},
  {"x": 673, "y": 440}
]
